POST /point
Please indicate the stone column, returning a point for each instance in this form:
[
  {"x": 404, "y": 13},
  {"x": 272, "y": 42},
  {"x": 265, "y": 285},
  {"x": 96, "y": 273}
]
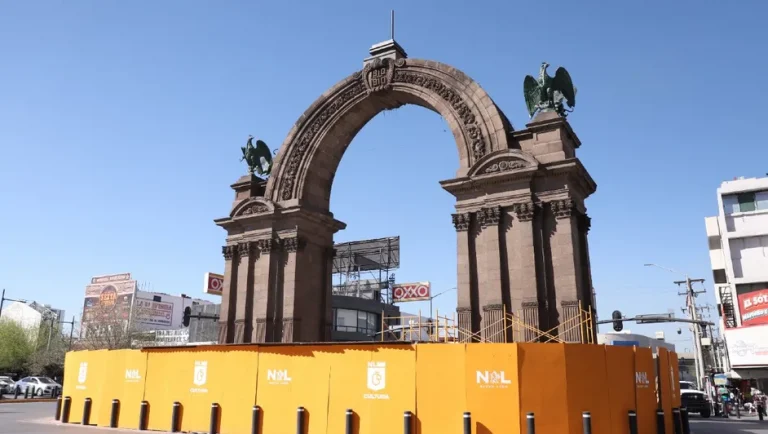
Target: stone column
[
  {"x": 264, "y": 293},
  {"x": 461, "y": 222},
  {"x": 292, "y": 285},
  {"x": 564, "y": 265},
  {"x": 522, "y": 271},
  {"x": 489, "y": 275},
  {"x": 244, "y": 293},
  {"x": 228, "y": 297}
]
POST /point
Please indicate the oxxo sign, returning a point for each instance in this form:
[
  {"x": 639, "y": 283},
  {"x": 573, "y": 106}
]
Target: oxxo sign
[
  {"x": 213, "y": 284},
  {"x": 411, "y": 291}
]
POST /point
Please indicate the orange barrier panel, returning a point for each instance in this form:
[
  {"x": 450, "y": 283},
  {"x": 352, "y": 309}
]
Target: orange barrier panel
[
  {"x": 587, "y": 384},
  {"x": 291, "y": 377},
  {"x": 645, "y": 390},
  {"x": 665, "y": 386},
  {"x": 125, "y": 371},
  {"x": 674, "y": 367},
  {"x": 493, "y": 388},
  {"x": 84, "y": 377},
  {"x": 541, "y": 372},
  {"x": 441, "y": 399},
  {"x": 620, "y": 372},
  {"x": 198, "y": 377}
]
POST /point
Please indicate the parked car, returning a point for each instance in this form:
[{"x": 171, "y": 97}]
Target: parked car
[
  {"x": 40, "y": 385},
  {"x": 694, "y": 400},
  {"x": 6, "y": 384}
]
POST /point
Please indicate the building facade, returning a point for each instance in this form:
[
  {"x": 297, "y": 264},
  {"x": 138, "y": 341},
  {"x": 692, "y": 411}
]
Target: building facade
[
  {"x": 738, "y": 250},
  {"x": 32, "y": 315}
]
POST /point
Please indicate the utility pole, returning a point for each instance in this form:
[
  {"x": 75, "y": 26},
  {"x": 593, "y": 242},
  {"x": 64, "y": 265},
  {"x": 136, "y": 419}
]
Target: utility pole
[{"x": 690, "y": 302}]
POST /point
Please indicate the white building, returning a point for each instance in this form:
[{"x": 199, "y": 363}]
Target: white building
[
  {"x": 30, "y": 314},
  {"x": 628, "y": 339},
  {"x": 159, "y": 311},
  {"x": 738, "y": 250}
]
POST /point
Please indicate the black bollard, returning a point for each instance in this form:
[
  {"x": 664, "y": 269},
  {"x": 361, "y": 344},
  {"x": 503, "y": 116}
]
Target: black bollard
[
  {"x": 113, "y": 413},
  {"x": 300, "y": 414},
  {"x": 255, "y": 419},
  {"x": 26, "y": 392},
  {"x": 350, "y": 421},
  {"x": 684, "y": 420},
  {"x": 407, "y": 422},
  {"x": 531, "y": 422},
  {"x": 175, "y": 413},
  {"x": 16, "y": 392},
  {"x": 143, "y": 415},
  {"x": 467, "y": 422},
  {"x": 660, "y": 426},
  {"x": 632, "y": 422},
  {"x": 86, "y": 412},
  {"x": 586, "y": 420},
  {"x": 65, "y": 409},
  {"x": 677, "y": 422},
  {"x": 58, "y": 408},
  {"x": 214, "y": 418}
]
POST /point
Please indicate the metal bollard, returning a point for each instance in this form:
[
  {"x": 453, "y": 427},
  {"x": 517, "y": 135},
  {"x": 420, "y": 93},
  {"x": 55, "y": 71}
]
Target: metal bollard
[
  {"x": 143, "y": 415},
  {"x": 467, "y": 422},
  {"x": 407, "y": 422},
  {"x": 58, "y": 408},
  {"x": 65, "y": 409},
  {"x": 26, "y": 392},
  {"x": 255, "y": 419},
  {"x": 660, "y": 426},
  {"x": 531, "y": 422},
  {"x": 175, "y": 414},
  {"x": 350, "y": 421},
  {"x": 114, "y": 411},
  {"x": 86, "y": 412},
  {"x": 684, "y": 419},
  {"x": 677, "y": 423},
  {"x": 214, "y": 418},
  {"x": 300, "y": 413},
  {"x": 16, "y": 392},
  {"x": 586, "y": 420},
  {"x": 632, "y": 422}
]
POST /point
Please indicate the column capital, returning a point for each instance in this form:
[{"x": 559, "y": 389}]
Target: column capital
[
  {"x": 244, "y": 249},
  {"x": 268, "y": 245},
  {"x": 293, "y": 244},
  {"x": 461, "y": 221},
  {"x": 524, "y": 211},
  {"x": 489, "y": 216},
  {"x": 229, "y": 252},
  {"x": 562, "y": 208}
]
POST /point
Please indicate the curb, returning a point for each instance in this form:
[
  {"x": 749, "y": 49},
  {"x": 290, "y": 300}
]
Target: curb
[{"x": 23, "y": 401}]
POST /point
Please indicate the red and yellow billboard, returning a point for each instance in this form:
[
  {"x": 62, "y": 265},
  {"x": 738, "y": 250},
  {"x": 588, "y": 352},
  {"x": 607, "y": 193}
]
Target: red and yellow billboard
[
  {"x": 754, "y": 307},
  {"x": 109, "y": 297}
]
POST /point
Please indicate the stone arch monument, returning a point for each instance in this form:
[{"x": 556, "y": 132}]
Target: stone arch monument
[{"x": 521, "y": 224}]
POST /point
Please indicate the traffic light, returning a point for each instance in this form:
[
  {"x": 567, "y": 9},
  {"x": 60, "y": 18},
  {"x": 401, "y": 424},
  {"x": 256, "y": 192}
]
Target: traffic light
[
  {"x": 187, "y": 315},
  {"x": 618, "y": 324}
]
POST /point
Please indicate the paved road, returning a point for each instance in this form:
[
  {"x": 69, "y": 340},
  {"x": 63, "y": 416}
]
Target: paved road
[
  {"x": 716, "y": 425},
  {"x": 37, "y": 418}
]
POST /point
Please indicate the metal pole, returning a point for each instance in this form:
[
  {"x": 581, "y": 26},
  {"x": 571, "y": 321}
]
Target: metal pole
[
  {"x": 300, "y": 420},
  {"x": 50, "y": 332},
  {"x": 677, "y": 423},
  {"x": 698, "y": 357},
  {"x": 255, "y": 419},
  {"x": 407, "y": 422},
  {"x": 72, "y": 332},
  {"x": 632, "y": 422},
  {"x": 2, "y": 299},
  {"x": 531, "y": 423},
  {"x": 58, "y": 408},
  {"x": 660, "y": 425},
  {"x": 684, "y": 419},
  {"x": 467, "y": 422},
  {"x": 143, "y": 416},
  {"x": 65, "y": 409},
  {"x": 350, "y": 420},
  {"x": 175, "y": 413},
  {"x": 214, "y": 419},
  {"x": 586, "y": 420},
  {"x": 113, "y": 413},
  {"x": 86, "y": 412}
]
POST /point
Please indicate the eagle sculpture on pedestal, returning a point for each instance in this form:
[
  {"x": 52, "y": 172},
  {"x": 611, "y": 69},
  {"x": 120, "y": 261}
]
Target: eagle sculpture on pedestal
[
  {"x": 547, "y": 93},
  {"x": 258, "y": 158}
]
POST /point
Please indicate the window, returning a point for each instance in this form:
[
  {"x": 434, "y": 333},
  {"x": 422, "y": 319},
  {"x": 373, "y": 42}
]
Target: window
[
  {"x": 719, "y": 276},
  {"x": 746, "y": 202},
  {"x": 350, "y": 320}
]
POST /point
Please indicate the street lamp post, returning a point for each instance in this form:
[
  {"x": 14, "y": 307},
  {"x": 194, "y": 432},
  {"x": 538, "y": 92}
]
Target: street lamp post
[
  {"x": 434, "y": 297},
  {"x": 690, "y": 301},
  {"x": 3, "y": 299}
]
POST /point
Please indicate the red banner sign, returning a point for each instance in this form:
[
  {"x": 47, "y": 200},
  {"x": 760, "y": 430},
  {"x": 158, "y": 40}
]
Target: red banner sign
[
  {"x": 214, "y": 284},
  {"x": 754, "y": 307},
  {"x": 411, "y": 291}
]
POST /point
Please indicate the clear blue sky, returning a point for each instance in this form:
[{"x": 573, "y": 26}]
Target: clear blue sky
[{"x": 121, "y": 122}]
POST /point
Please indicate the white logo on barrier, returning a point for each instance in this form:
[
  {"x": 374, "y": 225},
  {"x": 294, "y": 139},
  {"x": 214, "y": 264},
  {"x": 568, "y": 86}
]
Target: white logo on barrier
[
  {"x": 278, "y": 376},
  {"x": 200, "y": 377},
  {"x": 82, "y": 374},
  {"x": 132, "y": 375},
  {"x": 641, "y": 379},
  {"x": 377, "y": 380},
  {"x": 492, "y": 379}
]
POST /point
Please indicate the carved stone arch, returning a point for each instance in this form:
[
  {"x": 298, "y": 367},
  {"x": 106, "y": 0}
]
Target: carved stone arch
[
  {"x": 306, "y": 164},
  {"x": 503, "y": 161},
  {"x": 252, "y": 206}
]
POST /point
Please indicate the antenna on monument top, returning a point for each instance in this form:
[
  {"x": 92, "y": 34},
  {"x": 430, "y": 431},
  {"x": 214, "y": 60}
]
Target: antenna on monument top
[{"x": 392, "y": 25}]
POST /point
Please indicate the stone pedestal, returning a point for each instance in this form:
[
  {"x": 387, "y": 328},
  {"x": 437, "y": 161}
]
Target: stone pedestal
[{"x": 522, "y": 236}]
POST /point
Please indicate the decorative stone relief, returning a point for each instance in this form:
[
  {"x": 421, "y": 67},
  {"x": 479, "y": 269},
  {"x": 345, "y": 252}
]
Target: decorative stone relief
[
  {"x": 586, "y": 222},
  {"x": 244, "y": 249},
  {"x": 256, "y": 208},
  {"x": 461, "y": 221},
  {"x": 524, "y": 211},
  {"x": 377, "y": 75},
  {"x": 293, "y": 244},
  {"x": 489, "y": 216},
  {"x": 562, "y": 208},
  {"x": 504, "y": 166},
  {"x": 268, "y": 246},
  {"x": 228, "y": 252}
]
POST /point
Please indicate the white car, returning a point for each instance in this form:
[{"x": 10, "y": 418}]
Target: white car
[
  {"x": 40, "y": 385},
  {"x": 6, "y": 384}
]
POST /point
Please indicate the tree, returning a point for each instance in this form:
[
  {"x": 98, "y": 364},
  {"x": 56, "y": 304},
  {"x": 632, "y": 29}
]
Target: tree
[
  {"x": 16, "y": 347},
  {"x": 109, "y": 326}
]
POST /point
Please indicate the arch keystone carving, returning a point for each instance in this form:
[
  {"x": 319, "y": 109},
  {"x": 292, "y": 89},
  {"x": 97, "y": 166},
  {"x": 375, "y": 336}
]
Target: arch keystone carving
[
  {"x": 252, "y": 206},
  {"x": 504, "y": 161}
]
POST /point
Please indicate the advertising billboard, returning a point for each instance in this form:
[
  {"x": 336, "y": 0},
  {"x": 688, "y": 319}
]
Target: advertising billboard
[
  {"x": 155, "y": 313},
  {"x": 402, "y": 292},
  {"x": 213, "y": 283},
  {"x": 747, "y": 345},
  {"x": 109, "y": 298},
  {"x": 754, "y": 307}
]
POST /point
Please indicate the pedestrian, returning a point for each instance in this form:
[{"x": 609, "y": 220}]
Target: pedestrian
[{"x": 760, "y": 401}]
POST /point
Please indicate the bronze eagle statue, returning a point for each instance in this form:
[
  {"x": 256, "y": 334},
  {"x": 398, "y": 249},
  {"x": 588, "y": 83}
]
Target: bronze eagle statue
[
  {"x": 258, "y": 158},
  {"x": 547, "y": 93}
]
